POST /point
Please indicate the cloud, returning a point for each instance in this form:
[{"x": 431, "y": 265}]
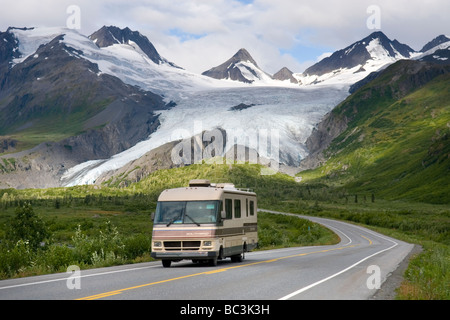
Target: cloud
[{"x": 198, "y": 34}]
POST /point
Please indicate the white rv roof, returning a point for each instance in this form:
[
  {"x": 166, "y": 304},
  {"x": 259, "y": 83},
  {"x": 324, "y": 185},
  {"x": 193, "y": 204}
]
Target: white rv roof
[{"x": 197, "y": 193}]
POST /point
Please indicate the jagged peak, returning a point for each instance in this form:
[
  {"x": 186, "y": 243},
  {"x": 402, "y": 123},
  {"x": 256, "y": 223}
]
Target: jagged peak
[
  {"x": 110, "y": 35},
  {"x": 377, "y": 34},
  {"x": 360, "y": 52},
  {"x": 285, "y": 74},
  {"x": 243, "y": 55},
  {"x": 231, "y": 69},
  {"x": 435, "y": 42}
]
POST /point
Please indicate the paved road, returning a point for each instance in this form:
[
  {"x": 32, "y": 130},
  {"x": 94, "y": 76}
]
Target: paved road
[{"x": 352, "y": 269}]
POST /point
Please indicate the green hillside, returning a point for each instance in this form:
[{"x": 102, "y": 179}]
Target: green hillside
[{"x": 397, "y": 143}]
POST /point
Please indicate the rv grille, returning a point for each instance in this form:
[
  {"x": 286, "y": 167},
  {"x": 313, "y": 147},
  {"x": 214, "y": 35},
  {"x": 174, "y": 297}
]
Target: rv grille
[{"x": 181, "y": 245}]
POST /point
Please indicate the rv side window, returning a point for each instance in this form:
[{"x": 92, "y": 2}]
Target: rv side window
[
  {"x": 237, "y": 208},
  {"x": 252, "y": 208},
  {"x": 229, "y": 208}
]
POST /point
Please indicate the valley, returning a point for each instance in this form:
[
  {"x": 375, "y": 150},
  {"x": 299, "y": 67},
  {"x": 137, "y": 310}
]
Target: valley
[
  {"x": 75, "y": 215},
  {"x": 92, "y": 129}
]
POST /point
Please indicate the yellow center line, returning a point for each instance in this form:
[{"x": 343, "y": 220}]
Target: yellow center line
[
  {"x": 115, "y": 292},
  {"x": 370, "y": 241},
  {"x": 111, "y": 293}
]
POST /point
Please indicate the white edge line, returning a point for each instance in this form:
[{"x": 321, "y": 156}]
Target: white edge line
[
  {"x": 81, "y": 276},
  {"x": 344, "y": 270},
  {"x": 340, "y": 272}
]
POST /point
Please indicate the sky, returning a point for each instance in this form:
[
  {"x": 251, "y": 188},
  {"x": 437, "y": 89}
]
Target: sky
[{"x": 200, "y": 34}]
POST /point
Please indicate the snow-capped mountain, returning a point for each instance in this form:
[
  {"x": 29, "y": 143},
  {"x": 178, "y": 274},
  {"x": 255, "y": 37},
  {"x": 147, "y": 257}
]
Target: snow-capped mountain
[
  {"x": 121, "y": 74},
  {"x": 437, "y": 50},
  {"x": 240, "y": 67},
  {"x": 356, "y": 61},
  {"x": 436, "y": 43},
  {"x": 131, "y": 58},
  {"x": 108, "y": 36},
  {"x": 197, "y": 102},
  {"x": 54, "y": 93}
]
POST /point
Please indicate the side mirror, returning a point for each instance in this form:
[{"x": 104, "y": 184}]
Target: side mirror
[{"x": 223, "y": 215}]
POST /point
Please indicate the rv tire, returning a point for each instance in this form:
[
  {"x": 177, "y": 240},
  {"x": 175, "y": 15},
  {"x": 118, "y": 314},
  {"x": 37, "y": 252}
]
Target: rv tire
[
  {"x": 213, "y": 262},
  {"x": 166, "y": 263}
]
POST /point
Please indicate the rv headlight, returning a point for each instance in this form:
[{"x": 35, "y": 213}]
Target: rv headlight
[
  {"x": 157, "y": 244},
  {"x": 207, "y": 243}
]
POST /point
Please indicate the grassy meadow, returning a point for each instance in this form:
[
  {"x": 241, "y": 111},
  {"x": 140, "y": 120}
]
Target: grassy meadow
[{"x": 104, "y": 225}]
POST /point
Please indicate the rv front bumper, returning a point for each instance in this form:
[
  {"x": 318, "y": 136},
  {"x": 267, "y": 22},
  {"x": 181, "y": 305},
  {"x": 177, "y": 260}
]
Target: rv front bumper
[{"x": 184, "y": 255}]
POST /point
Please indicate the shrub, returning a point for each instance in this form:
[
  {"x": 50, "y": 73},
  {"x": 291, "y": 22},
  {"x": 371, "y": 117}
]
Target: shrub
[
  {"x": 105, "y": 248},
  {"x": 56, "y": 258},
  {"x": 16, "y": 258},
  {"x": 27, "y": 226},
  {"x": 136, "y": 246}
]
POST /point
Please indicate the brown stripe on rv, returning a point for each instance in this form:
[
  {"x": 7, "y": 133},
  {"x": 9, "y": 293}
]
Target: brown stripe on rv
[{"x": 205, "y": 233}]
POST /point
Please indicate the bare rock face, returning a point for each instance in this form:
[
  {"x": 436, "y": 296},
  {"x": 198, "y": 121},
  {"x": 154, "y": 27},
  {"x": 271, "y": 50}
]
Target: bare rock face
[
  {"x": 55, "y": 89},
  {"x": 323, "y": 134},
  {"x": 231, "y": 69},
  {"x": 170, "y": 155},
  {"x": 285, "y": 74}
]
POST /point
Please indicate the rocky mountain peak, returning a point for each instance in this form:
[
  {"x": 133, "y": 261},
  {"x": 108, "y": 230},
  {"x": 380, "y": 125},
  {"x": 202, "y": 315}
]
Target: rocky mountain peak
[
  {"x": 435, "y": 42},
  {"x": 240, "y": 67},
  {"x": 285, "y": 74},
  {"x": 243, "y": 55},
  {"x": 108, "y": 36},
  {"x": 391, "y": 46},
  {"x": 376, "y": 46}
]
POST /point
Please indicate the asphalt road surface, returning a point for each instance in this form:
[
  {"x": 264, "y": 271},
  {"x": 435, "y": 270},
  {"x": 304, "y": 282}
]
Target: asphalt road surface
[{"x": 352, "y": 270}]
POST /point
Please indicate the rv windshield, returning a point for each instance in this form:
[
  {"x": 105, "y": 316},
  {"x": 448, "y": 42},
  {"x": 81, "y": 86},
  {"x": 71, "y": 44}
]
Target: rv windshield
[{"x": 184, "y": 212}]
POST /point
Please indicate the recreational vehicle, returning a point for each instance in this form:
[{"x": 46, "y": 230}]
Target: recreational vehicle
[{"x": 204, "y": 222}]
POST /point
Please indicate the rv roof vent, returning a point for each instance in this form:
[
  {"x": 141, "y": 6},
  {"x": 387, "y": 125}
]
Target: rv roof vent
[
  {"x": 228, "y": 186},
  {"x": 199, "y": 183}
]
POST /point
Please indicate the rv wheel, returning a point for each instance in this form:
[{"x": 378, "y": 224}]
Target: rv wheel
[
  {"x": 166, "y": 263},
  {"x": 213, "y": 262},
  {"x": 236, "y": 258}
]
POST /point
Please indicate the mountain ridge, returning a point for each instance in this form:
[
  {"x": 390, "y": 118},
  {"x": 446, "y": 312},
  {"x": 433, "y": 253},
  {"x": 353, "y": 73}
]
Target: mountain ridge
[
  {"x": 75, "y": 100},
  {"x": 83, "y": 115},
  {"x": 358, "y": 54},
  {"x": 435, "y": 42},
  {"x": 371, "y": 143},
  {"x": 108, "y": 36}
]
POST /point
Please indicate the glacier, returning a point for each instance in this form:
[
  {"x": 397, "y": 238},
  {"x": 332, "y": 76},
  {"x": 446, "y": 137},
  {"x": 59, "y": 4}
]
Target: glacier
[
  {"x": 202, "y": 103},
  {"x": 291, "y": 112}
]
